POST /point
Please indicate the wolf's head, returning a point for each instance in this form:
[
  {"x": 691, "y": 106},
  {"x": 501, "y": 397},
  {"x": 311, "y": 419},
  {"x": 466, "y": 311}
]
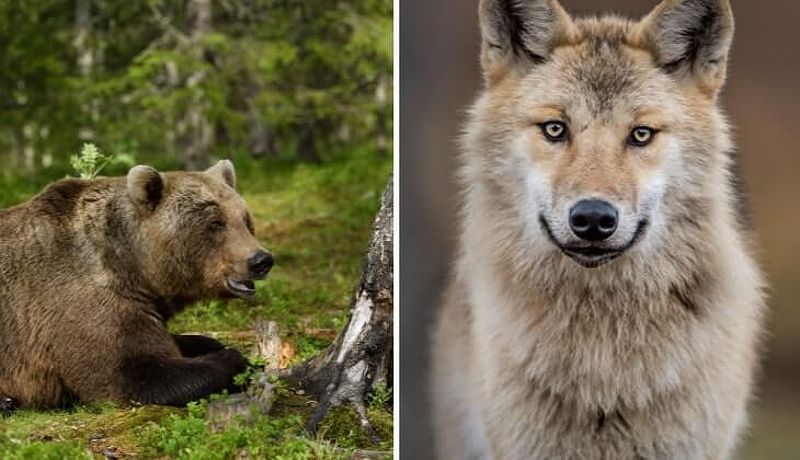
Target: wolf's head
[{"x": 588, "y": 128}]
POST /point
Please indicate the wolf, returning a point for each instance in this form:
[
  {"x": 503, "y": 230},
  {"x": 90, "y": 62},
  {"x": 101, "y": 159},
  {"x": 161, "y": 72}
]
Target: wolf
[{"x": 605, "y": 301}]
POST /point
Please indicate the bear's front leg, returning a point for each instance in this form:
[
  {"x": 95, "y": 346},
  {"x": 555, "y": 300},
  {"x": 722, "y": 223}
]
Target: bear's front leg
[
  {"x": 175, "y": 381},
  {"x": 192, "y": 345}
]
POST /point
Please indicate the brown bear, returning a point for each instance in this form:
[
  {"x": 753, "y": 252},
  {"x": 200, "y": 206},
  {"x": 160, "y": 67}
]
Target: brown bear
[{"x": 91, "y": 270}]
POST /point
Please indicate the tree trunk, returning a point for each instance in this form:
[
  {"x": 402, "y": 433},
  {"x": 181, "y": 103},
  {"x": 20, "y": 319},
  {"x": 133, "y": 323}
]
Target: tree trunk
[
  {"x": 362, "y": 354},
  {"x": 307, "y": 143},
  {"x": 262, "y": 139},
  {"x": 85, "y": 64},
  {"x": 383, "y": 115},
  {"x": 197, "y": 136},
  {"x": 18, "y": 148}
]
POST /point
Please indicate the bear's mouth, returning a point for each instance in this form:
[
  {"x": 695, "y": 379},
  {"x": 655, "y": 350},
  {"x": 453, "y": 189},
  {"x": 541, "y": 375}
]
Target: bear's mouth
[{"x": 245, "y": 289}]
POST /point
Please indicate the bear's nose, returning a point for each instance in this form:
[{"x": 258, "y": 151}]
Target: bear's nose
[
  {"x": 260, "y": 264},
  {"x": 593, "y": 220}
]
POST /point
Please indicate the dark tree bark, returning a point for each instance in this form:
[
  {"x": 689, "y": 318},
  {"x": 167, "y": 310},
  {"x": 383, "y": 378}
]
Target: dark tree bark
[
  {"x": 6, "y": 405},
  {"x": 361, "y": 356},
  {"x": 307, "y": 143}
]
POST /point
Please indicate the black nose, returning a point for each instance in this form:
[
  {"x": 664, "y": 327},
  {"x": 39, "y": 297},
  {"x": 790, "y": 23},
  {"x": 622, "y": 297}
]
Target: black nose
[
  {"x": 593, "y": 220},
  {"x": 260, "y": 264}
]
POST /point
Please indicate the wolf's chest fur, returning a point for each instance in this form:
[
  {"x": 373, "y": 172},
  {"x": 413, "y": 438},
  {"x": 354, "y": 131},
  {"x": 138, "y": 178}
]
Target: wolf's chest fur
[
  {"x": 613, "y": 369},
  {"x": 600, "y": 348}
]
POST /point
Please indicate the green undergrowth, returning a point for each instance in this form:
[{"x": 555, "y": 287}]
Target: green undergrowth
[{"x": 316, "y": 219}]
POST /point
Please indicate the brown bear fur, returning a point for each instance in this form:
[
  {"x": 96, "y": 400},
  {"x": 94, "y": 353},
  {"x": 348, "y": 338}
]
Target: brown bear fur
[{"x": 91, "y": 270}]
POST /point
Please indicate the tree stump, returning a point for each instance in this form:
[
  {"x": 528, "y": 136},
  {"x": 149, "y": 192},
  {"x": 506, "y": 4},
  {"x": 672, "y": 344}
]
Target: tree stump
[
  {"x": 361, "y": 356},
  {"x": 268, "y": 344}
]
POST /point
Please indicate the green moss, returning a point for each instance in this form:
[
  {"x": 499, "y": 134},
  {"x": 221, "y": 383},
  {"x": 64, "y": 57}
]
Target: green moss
[
  {"x": 279, "y": 435},
  {"x": 189, "y": 437},
  {"x": 95, "y": 427},
  {"x": 343, "y": 426},
  {"x": 41, "y": 450}
]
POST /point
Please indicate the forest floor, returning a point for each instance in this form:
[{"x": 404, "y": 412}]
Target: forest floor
[{"x": 316, "y": 219}]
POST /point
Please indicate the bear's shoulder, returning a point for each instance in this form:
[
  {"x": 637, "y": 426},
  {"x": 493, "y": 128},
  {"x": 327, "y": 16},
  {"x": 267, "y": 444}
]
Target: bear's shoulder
[{"x": 60, "y": 199}]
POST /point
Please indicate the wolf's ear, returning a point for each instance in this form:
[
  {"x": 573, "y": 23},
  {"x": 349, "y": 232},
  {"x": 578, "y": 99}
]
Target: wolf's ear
[
  {"x": 691, "y": 38},
  {"x": 518, "y": 34},
  {"x": 145, "y": 186},
  {"x": 224, "y": 170}
]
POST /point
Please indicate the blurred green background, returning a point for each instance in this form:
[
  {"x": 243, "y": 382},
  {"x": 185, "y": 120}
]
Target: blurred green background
[
  {"x": 183, "y": 81},
  {"x": 439, "y": 45}
]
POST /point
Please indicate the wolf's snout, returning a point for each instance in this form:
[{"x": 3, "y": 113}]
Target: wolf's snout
[
  {"x": 593, "y": 220},
  {"x": 260, "y": 264}
]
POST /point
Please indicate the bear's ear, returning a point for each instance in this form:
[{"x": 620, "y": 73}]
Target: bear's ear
[
  {"x": 691, "y": 39},
  {"x": 145, "y": 186},
  {"x": 224, "y": 170},
  {"x": 518, "y": 34}
]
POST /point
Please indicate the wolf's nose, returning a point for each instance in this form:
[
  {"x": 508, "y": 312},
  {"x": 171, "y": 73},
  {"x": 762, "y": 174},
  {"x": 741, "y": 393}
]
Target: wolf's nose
[
  {"x": 260, "y": 264},
  {"x": 593, "y": 220}
]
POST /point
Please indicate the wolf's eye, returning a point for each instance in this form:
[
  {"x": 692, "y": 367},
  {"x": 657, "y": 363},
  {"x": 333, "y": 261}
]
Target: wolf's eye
[
  {"x": 641, "y": 136},
  {"x": 554, "y": 131}
]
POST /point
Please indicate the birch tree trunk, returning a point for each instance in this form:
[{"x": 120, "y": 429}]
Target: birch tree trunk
[
  {"x": 86, "y": 60},
  {"x": 383, "y": 115},
  {"x": 361, "y": 356},
  {"x": 196, "y": 134},
  {"x": 84, "y": 53},
  {"x": 18, "y": 150}
]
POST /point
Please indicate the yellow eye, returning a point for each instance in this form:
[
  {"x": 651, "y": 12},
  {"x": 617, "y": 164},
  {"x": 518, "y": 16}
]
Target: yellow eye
[
  {"x": 641, "y": 136},
  {"x": 554, "y": 131}
]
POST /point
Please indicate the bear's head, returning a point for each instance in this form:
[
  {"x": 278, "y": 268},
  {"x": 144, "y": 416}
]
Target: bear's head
[{"x": 194, "y": 233}]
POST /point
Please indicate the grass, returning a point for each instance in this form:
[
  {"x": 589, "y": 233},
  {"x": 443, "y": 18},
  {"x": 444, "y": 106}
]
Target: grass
[{"x": 316, "y": 219}]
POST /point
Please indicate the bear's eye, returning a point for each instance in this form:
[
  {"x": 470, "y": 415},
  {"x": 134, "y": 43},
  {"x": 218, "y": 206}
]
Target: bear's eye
[
  {"x": 554, "y": 131},
  {"x": 218, "y": 225},
  {"x": 641, "y": 136}
]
